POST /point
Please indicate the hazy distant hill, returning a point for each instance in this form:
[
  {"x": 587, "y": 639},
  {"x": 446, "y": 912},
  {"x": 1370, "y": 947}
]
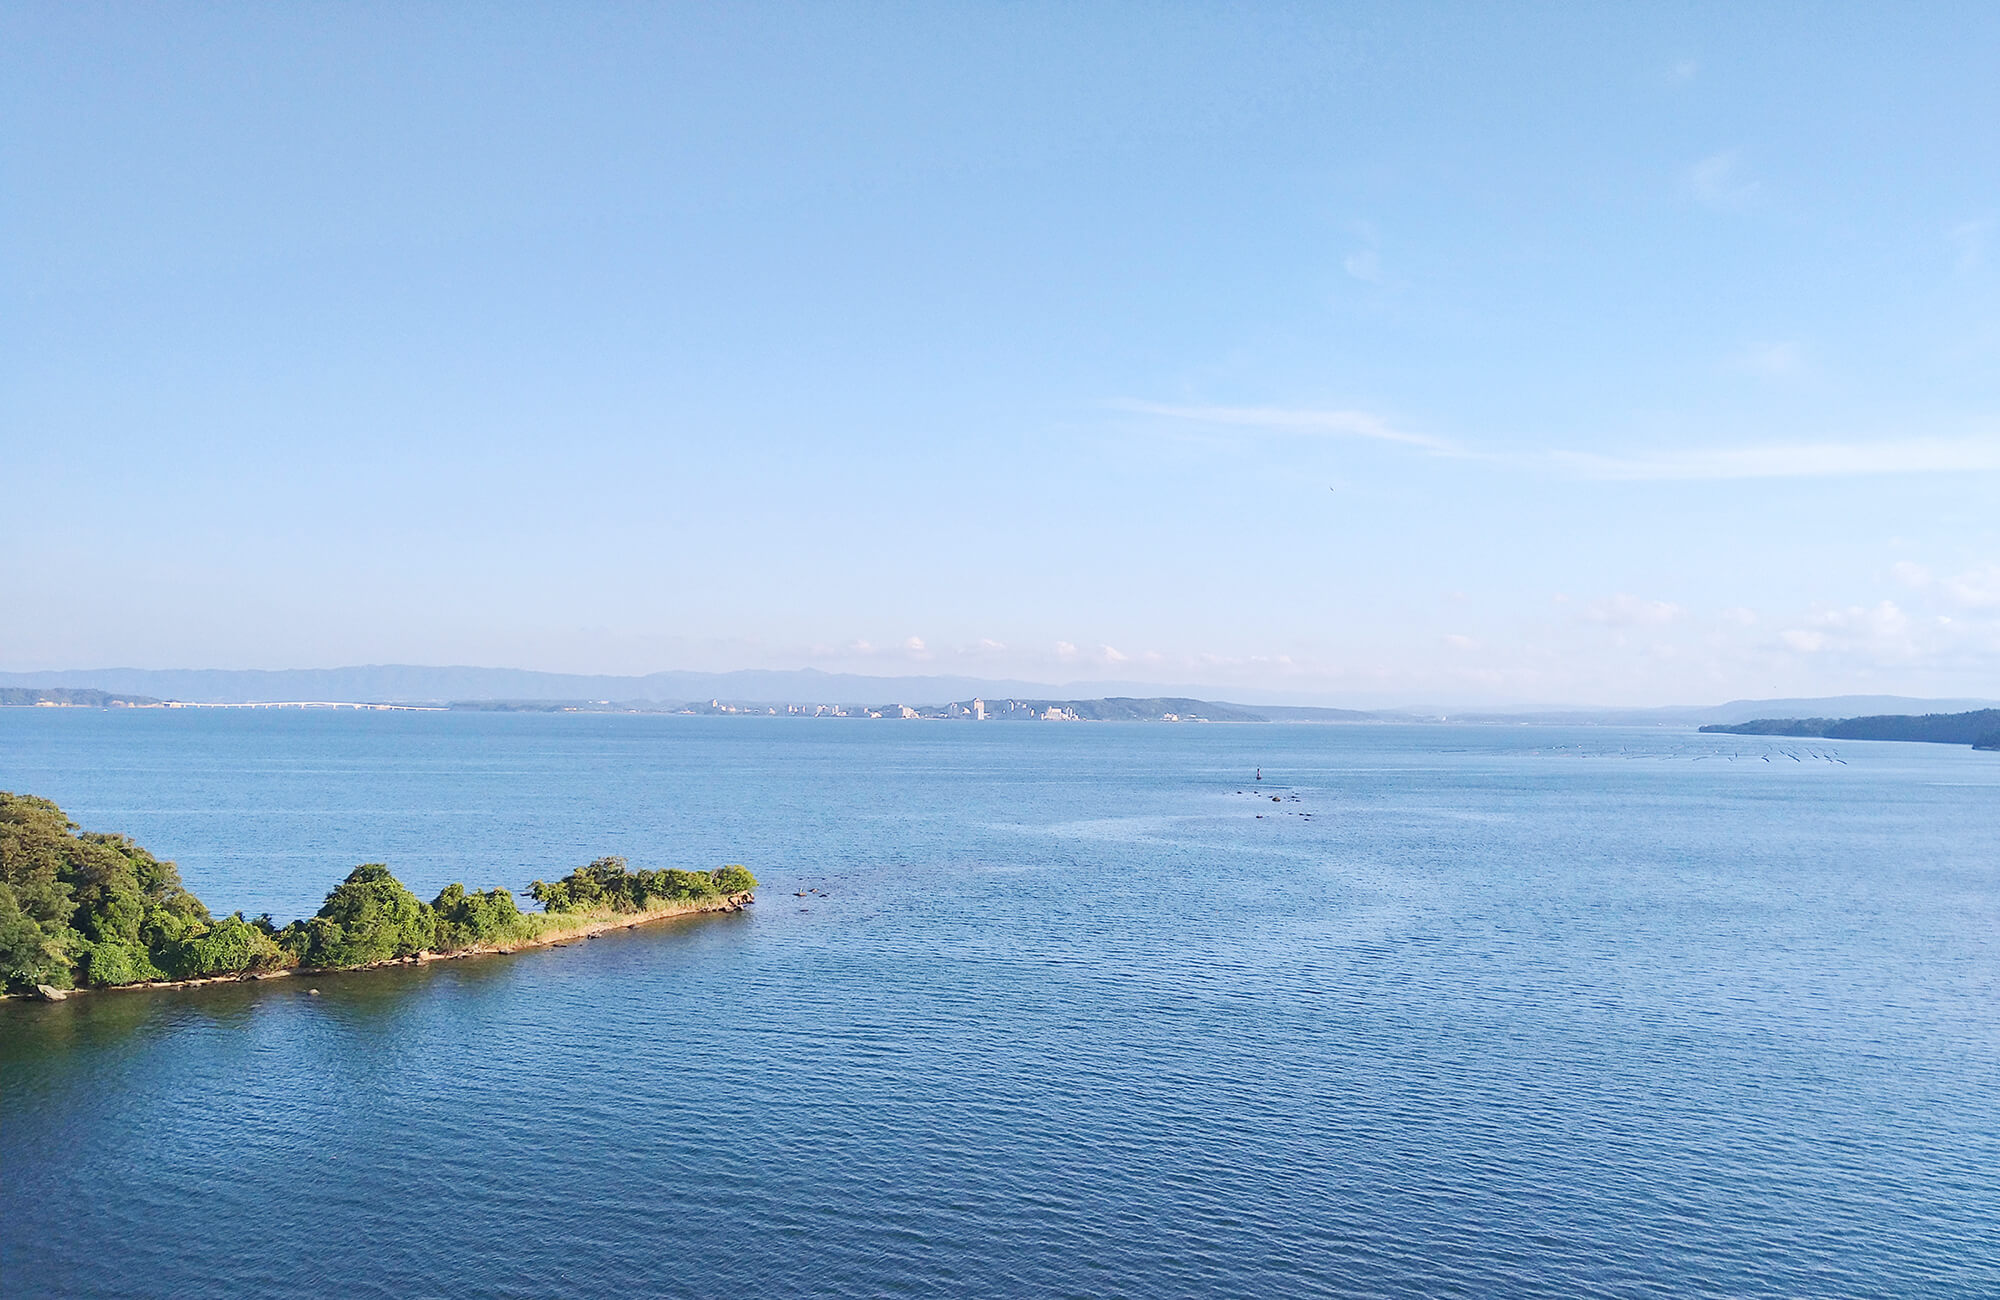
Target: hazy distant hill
[
  {"x": 413, "y": 684},
  {"x": 1301, "y": 713},
  {"x": 1120, "y": 708},
  {"x": 1980, "y": 728},
  {"x": 43, "y": 696},
  {"x": 564, "y": 706},
  {"x": 1689, "y": 715},
  {"x": 416, "y": 684},
  {"x": 999, "y": 708},
  {"x": 1846, "y": 706}
]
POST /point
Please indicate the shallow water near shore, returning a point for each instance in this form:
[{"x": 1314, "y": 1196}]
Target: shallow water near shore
[{"x": 1079, "y": 1010}]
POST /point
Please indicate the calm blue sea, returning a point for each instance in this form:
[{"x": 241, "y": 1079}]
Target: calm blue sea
[{"x": 1082, "y": 1010}]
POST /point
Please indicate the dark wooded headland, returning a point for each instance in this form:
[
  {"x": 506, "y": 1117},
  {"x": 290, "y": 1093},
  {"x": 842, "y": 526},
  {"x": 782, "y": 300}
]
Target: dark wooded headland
[
  {"x": 80, "y": 909},
  {"x": 1979, "y": 729}
]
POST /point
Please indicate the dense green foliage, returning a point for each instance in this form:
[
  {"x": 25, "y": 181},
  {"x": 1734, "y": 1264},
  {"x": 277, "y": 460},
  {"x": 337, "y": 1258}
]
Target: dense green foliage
[
  {"x": 80, "y": 909},
  {"x": 370, "y": 917},
  {"x": 480, "y": 919},
  {"x": 1977, "y": 729},
  {"x": 606, "y": 883},
  {"x": 85, "y": 909}
]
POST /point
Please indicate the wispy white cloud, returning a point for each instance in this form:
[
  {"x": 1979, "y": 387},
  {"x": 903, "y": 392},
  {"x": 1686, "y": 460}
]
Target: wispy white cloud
[
  {"x": 862, "y": 648},
  {"x": 1780, "y": 360},
  {"x": 1978, "y": 589},
  {"x": 1364, "y": 265},
  {"x": 1973, "y": 454},
  {"x": 1297, "y": 423},
  {"x": 1681, "y": 71},
  {"x": 1720, "y": 181},
  {"x": 1910, "y": 574},
  {"x": 1800, "y": 460},
  {"x": 1968, "y": 242},
  {"x": 1883, "y": 631},
  {"x": 1623, "y": 610}
]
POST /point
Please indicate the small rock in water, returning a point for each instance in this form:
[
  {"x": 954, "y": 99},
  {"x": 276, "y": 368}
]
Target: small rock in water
[
  {"x": 49, "y": 993},
  {"x": 312, "y": 992}
]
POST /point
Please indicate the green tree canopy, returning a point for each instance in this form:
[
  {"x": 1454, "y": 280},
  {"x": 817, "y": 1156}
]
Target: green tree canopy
[
  {"x": 479, "y": 919},
  {"x": 83, "y": 908},
  {"x": 369, "y": 917},
  {"x": 610, "y": 885}
]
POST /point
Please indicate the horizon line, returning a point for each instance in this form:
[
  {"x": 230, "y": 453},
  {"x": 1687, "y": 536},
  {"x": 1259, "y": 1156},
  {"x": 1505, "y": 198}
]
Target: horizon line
[{"x": 1155, "y": 689}]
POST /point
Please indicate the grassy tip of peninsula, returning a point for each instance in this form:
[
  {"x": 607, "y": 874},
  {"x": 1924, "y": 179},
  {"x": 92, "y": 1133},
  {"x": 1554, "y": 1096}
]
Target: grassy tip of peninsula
[{"x": 80, "y": 909}]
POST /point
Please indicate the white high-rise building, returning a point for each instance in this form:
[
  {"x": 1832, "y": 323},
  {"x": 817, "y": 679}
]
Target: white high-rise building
[{"x": 979, "y": 710}]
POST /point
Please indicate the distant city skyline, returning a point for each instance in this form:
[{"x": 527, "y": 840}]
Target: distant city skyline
[{"x": 1545, "y": 356}]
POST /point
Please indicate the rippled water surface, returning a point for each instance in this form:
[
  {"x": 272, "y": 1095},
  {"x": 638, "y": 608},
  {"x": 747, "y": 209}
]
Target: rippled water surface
[{"x": 1082, "y": 1011}]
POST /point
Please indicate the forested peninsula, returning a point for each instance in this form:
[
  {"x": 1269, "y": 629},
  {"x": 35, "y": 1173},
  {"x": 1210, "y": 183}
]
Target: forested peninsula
[
  {"x": 81, "y": 909},
  {"x": 1979, "y": 729}
]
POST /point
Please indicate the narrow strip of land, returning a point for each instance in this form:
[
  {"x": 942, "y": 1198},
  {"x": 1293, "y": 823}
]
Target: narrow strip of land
[
  {"x": 1979, "y": 728},
  {"x": 559, "y": 929},
  {"x": 85, "y": 910}
]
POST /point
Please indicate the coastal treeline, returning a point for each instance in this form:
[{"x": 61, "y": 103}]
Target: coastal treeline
[
  {"x": 1979, "y": 729},
  {"x": 80, "y": 909},
  {"x": 373, "y": 917},
  {"x": 608, "y": 883}
]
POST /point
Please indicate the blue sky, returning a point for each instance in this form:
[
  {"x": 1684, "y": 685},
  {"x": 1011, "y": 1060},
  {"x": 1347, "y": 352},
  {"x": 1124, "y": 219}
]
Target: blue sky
[{"x": 1379, "y": 354}]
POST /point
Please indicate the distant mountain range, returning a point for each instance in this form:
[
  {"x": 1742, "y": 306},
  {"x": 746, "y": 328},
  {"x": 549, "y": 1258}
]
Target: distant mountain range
[
  {"x": 414, "y": 684},
  {"x": 411, "y": 684}
]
